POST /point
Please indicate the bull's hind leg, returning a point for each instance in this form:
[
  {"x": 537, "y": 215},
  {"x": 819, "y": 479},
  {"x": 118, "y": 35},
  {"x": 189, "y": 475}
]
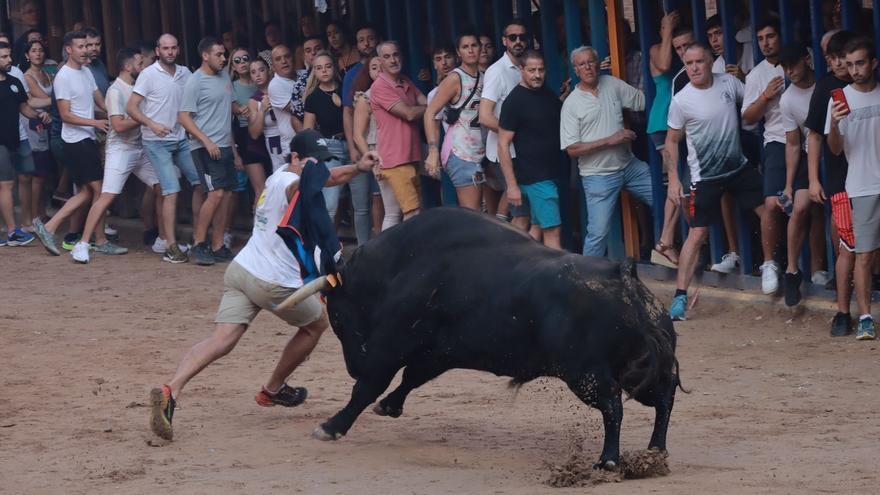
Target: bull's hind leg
[
  {"x": 604, "y": 395},
  {"x": 366, "y": 390},
  {"x": 414, "y": 376},
  {"x": 663, "y": 409}
]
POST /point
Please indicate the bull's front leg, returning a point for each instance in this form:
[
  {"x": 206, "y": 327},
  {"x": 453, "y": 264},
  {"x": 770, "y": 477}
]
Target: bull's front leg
[
  {"x": 612, "y": 417},
  {"x": 365, "y": 391},
  {"x": 663, "y": 409}
]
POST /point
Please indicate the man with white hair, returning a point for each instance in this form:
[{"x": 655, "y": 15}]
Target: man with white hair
[{"x": 591, "y": 130}]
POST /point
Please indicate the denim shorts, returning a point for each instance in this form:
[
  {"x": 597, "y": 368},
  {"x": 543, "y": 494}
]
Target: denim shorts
[
  {"x": 19, "y": 160},
  {"x": 165, "y": 155},
  {"x": 544, "y": 203},
  {"x": 464, "y": 173}
]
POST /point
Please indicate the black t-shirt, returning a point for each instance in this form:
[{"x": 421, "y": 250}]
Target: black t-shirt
[
  {"x": 12, "y": 95},
  {"x": 328, "y": 114},
  {"x": 679, "y": 81},
  {"x": 533, "y": 115},
  {"x": 835, "y": 165}
]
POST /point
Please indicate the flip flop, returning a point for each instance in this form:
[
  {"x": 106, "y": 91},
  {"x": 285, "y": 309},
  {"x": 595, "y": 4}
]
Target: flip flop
[{"x": 659, "y": 256}]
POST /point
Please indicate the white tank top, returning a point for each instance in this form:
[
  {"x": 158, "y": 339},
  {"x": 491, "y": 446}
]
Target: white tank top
[
  {"x": 465, "y": 133},
  {"x": 265, "y": 256},
  {"x": 270, "y": 125}
]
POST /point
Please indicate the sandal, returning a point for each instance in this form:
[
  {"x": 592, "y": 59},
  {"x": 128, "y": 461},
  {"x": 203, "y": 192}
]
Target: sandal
[{"x": 666, "y": 255}]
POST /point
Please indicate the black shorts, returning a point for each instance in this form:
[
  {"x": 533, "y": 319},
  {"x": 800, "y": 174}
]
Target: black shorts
[
  {"x": 216, "y": 174},
  {"x": 774, "y": 170},
  {"x": 83, "y": 161},
  {"x": 705, "y": 203}
]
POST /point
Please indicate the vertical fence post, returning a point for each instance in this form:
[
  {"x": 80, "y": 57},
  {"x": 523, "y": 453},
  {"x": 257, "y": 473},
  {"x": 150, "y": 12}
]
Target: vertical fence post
[
  {"x": 550, "y": 46},
  {"x": 698, "y": 14},
  {"x": 573, "y": 39},
  {"x": 645, "y": 21},
  {"x": 786, "y": 17},
  {"x": 756, "y": 13},
  {"x": 502, "y": 11},
  {"x": 849, "y": 11},
  {"x": 392, "y": 27},
  {"x": 414, "y": 59}
]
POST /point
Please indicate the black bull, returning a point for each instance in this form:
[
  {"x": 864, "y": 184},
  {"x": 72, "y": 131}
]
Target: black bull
[{"x": 453, "y": 288}]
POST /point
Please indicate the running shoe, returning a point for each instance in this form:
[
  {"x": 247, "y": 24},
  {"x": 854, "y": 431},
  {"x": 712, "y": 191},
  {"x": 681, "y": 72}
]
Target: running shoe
[
  {"x": 80, "y": 252},
  {"x": 286, "y": 396},
  {"x": 174, "y": 255},
  {"x": 678, "y": 307},
  {"x": 841, "y": 325},
  {"x": 29, "y": 228},
  {"x": 2, "y": 241},
  {"x": 70, "y": 240},
  {"x": 162, "y": 406},
  {"x": 110, "y": 230},
  {"x": 728, "y": 263},
  {"x": 820, "y": 277},
  {"x": 866, "y": 329},
  {"x": 222, "y": 255},
  {"x": 47, "y": 238},
  {"x": 769, "y": 277},
  {"x": 160, "y": 246},
  {"x": 792, "y": 288},
  {"x": 110, "y": 248},
  {"x": 202, "y": 253},
  {"x": 19, "y": 237}
]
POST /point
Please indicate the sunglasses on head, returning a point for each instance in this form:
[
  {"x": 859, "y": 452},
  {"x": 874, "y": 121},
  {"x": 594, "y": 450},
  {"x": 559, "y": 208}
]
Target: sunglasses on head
[
  {"x": 514, "y": 37},
  {"x": 243, "y": 58}
]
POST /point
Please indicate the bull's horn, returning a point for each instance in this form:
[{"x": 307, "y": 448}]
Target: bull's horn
[{"x": 304, "y": 292}]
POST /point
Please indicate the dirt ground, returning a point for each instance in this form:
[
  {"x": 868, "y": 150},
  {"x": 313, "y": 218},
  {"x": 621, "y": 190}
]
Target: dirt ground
[{"x": 776, "y": 406}]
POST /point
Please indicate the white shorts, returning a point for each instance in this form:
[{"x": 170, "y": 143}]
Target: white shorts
[
  {"x": 120, "y": 163},
  {"x": 276, "y": 152}
]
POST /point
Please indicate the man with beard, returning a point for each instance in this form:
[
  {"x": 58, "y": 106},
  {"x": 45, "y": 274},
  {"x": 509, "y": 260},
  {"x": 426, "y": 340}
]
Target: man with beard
[
  {"x": 366, "y": 39},
  {"x": 501, "y": 77}
]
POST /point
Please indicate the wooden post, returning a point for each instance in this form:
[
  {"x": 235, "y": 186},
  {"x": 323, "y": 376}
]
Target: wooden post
[
  {"x": 72, "y": 14},
  {"x": 131, "y": 28},
  {"x": 90, "y": 14},
  {"x": 168, "y": 14},
  {"x": 151, "y": 26},
  {"x": 55, "y": 25},
  {"x": 110, "y": 10}
]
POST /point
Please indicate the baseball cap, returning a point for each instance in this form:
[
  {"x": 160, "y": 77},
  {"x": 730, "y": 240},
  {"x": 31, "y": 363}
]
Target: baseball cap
[
  {"x": 309, "y": 143},
  {"x": 792, "y": 52}
]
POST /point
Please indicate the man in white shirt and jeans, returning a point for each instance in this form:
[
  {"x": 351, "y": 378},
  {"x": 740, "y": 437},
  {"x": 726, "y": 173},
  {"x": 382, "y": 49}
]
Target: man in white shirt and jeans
[{"x": 853, "y": 128}]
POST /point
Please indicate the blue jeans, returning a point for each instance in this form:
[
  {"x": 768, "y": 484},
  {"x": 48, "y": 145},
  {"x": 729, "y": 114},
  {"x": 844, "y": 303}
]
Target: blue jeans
[
  {"x": 603, "y": 192},
  {"x": 359, "y": 187},
  {"x": 164, "y": 155}
]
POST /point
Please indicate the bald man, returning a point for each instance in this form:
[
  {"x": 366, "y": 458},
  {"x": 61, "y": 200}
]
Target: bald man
[
  {"x": 281, "y": 91},
  {"x": 155, "y": 102}
]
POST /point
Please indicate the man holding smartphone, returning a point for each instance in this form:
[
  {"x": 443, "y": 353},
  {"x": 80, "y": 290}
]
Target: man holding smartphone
[{"x": 852, "y": 126}]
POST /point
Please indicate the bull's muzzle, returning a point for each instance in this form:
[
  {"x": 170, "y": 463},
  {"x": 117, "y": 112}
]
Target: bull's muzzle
[{"x": 306, "y": 291}]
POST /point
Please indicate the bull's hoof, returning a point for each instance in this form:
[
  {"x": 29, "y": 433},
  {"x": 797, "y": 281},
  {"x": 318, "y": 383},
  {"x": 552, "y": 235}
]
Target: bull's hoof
[
  {"x": 321, "y": 434},
  {"x": 606, "y": 465},
  {"x": 382, "y": 410},
  {"x": 664, "y": 452}
]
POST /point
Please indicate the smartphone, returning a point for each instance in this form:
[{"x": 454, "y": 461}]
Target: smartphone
[{"x": 838, "y": 97}]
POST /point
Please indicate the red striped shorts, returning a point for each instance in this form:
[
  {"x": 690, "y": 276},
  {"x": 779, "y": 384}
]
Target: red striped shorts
[{"x": 841, "y": 215}]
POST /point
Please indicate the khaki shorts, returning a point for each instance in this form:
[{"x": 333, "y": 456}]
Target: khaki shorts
[
  {"x": 244, "y": 295},
  {"x": 404, "y": 182}
]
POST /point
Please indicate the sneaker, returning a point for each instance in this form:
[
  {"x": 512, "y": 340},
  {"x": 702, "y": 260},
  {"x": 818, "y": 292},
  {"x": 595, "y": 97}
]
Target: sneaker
[
  {"x": 769, "y": 277},
  {"x": 222, "y": 255},
  {"x": 202, "y": 253},
  {"x": 841, "y": 325},
  {"x": 820, "y": 277},
  {"x": 678, "y": 307},
  {"x": 792, "y": 288},
  {"x": 228, "y": 240},
  {"x": 865, "y": 331},
  {"x": 174, "y": 255},
  {"x": 28, "y": 228},
  {"x": 110, "y": 248},
  {"x": 47, "y": 238},
  {"x": 184, "y": 247},
  {"x": 2, "y": 241},
  {"x": 161, "y": 411},
  {"x": 728, "y": 263},
  {"x": 110, "y": 230},
  {"x": 19, "y": 237},
  {"x": 160, "y": 245},
  {"x": 80, "y": 252},
  {"x": 286, "y": 396},
  {"x": 70, "y": 240},
  {"x": 150, "y": 237}
]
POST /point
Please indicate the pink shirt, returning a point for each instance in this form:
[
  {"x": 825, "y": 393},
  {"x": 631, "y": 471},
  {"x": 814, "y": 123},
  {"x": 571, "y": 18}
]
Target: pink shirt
[{"x": 397, "y": 141}]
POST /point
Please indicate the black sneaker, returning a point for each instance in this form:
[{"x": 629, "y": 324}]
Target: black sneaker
[
  {"x": 222, "y": 255},
  {"x": 792, "y": 288},
  {"x": 841, "y": 325},
  {"x": 286, "y": 396},
  {"x": 150, "y": 236},
  {"x": 202, "y": 254},
  {"x": 161, "y": 411}
]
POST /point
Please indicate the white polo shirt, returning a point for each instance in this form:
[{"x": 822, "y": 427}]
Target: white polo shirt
[
  {"x": 499, "y": 80},
  {"x": 756, "y": 83},
  {"x": 162, "y": 93},
  {"x": 78, "y": 87}
]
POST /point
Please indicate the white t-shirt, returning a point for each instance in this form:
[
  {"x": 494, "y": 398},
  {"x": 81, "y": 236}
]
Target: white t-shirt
[
  {"x": 499, "y": 80},
  {"x": 756, "y": 83},
  {"x": 265, "y": 255},
  {"x": 22, "y": 120},
  {"x": 711, "y": 123},
  {"x": 280, "y": 97},
  {"x": 587, "y": 118},
  {"x": 795, "y": 105},
  {"x": 78, "y": 87},
  {"x": 118, "y": 95},
  {"x": 861, "y": 140},
  {"x": 162, "y": 93}
]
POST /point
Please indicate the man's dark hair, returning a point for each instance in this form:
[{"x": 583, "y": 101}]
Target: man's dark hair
[
  {"x": 91, "y": 32},
  {"x": 5, "y": 45},
  {"x": 147, "y": 46},
  {"x": 271, "y": 22},
  {"x": 530, "y": 54},
  {"x": 124, "y": 55},
  {"x": 682, "y": 30},
  {"x": 339, "y": 24},
  {"x": 207, "y": 43},
  {"x": 443, "y": 48},
  {"x": 315, "y": 37},
  {"x": 516, "y": 21},
  {"x": 861, "y": 43},
  {"x": 366, "y": 25},
  {"x": 837, "y": 44},
  {"x": 714, "y": 22},
  {"x": 73, "y": 35},
  {"x": 769, "y": 22}
]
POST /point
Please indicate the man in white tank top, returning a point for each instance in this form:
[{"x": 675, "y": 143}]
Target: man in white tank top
[{"x": 262, "y": 275}]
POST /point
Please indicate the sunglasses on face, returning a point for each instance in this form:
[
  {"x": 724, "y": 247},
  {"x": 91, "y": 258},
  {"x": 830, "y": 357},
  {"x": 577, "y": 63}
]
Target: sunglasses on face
[
  {"x": 243, "y": 58},
  {"x": 514, "y": 37}
]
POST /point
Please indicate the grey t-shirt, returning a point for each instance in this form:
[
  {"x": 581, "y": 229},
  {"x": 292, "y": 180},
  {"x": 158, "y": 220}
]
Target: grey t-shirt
[{"x": 209, "y": 99}]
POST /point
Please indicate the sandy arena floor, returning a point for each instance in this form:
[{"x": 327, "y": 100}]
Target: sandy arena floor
[{"x": 776, "y": 405}]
